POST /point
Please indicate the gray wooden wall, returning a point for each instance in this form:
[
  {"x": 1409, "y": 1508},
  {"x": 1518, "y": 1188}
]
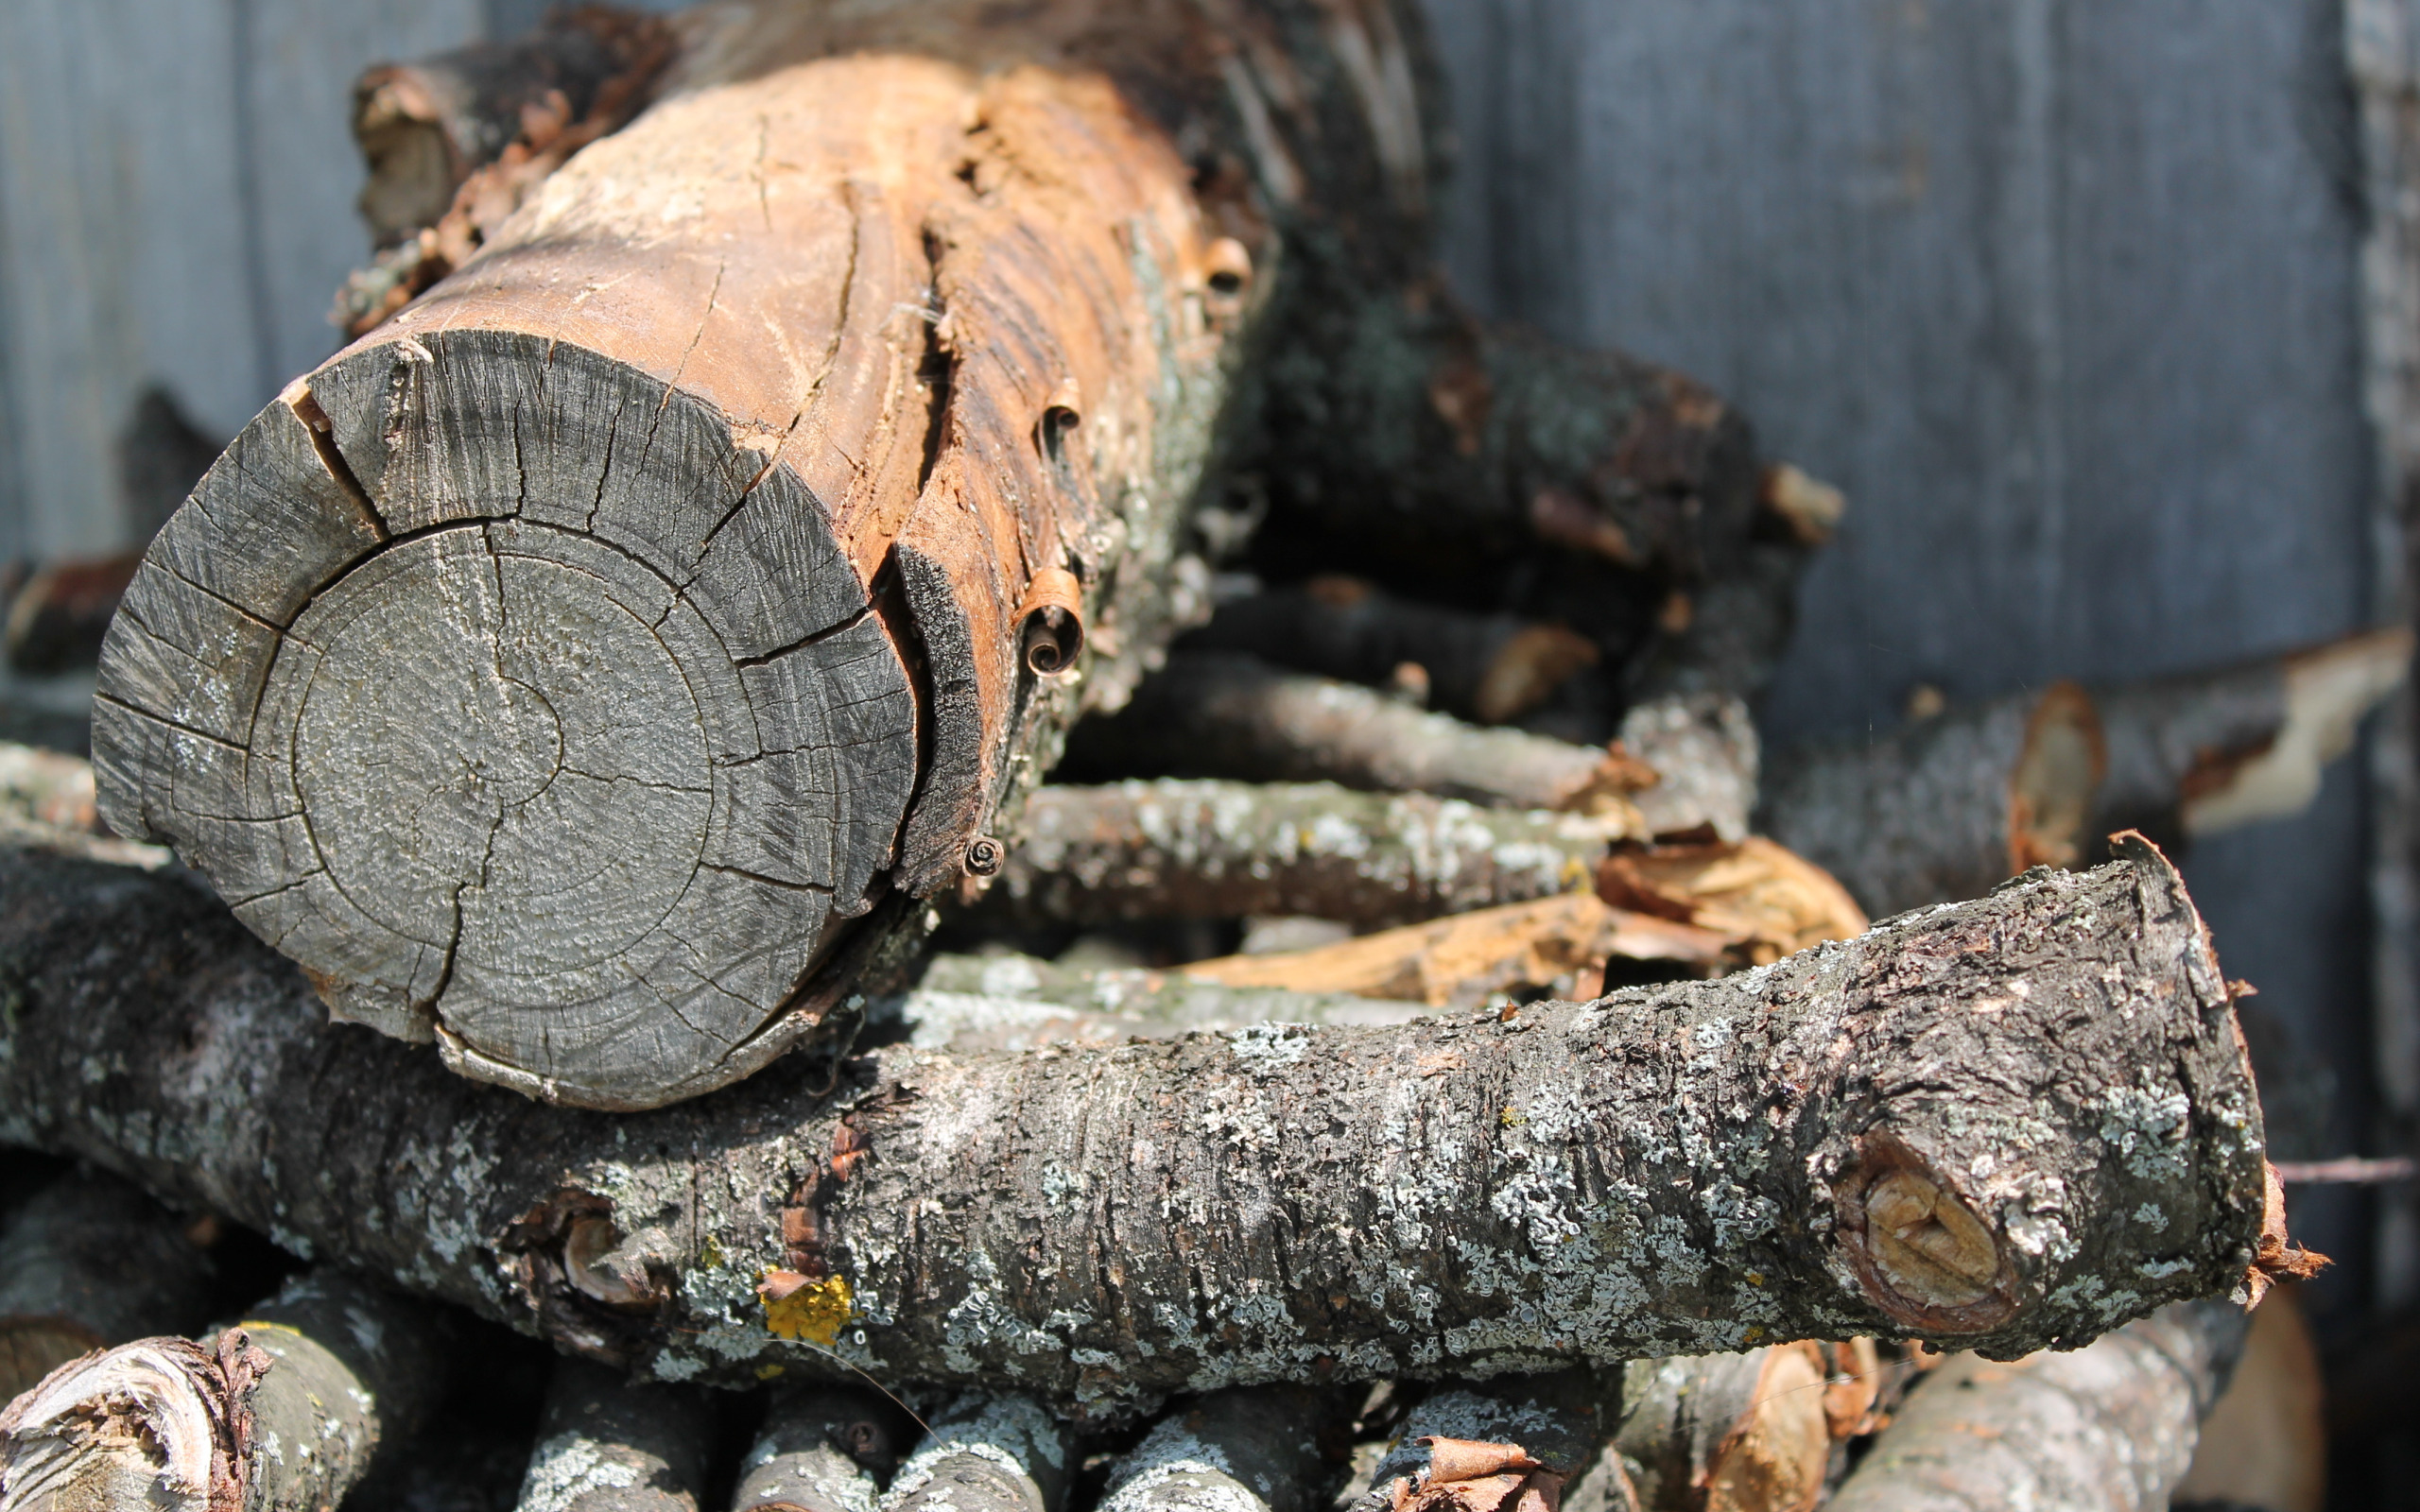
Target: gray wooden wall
[
  {"x": 2061, "y": 291},
  {"x": 2064, "y": 292}
]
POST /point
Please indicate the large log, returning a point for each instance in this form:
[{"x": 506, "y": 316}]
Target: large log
[
  {"x": 2014, "y": 1123},
  {"x": 567, "y": 670}
]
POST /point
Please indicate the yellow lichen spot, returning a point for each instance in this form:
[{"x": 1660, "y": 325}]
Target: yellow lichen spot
[
  {"x": 814, "y": 1311},
  {"x": 768, "y": 1371},
  {"x": 1510, "y": 1116},
  {"x": 1756, "y": 1278},
  {"x": 709, "y": 1254},
  {"x": 1756, "y": 1331}
]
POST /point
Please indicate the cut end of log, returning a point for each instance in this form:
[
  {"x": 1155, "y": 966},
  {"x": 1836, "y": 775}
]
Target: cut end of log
[
  {"x": 2058, "y": 774},
  {"x": 141, "y": 1425},
  {"x": 2327, "y": 691}
]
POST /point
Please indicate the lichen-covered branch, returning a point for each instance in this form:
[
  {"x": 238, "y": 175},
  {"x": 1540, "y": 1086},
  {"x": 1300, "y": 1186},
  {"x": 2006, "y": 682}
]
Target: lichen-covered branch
[
  {"x": 2012, "y": 1123},
  {"x": 1177, "y": 849}
]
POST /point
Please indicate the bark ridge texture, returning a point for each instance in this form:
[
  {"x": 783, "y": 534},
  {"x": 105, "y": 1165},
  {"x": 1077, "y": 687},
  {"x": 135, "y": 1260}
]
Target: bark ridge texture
[{"x": 2012, "y": 1123}]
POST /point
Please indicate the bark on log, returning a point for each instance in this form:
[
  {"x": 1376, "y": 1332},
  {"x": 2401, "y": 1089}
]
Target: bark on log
[
  {"x": 1948, "y": 807},
  {"x": 822, "y": 1448},
  {"x": 1955, "y": 803},
  {"x": 967, "y": 1004},
  {"x": 987, "y": 1453},
  {"x": 1249, "y": 1449},
  {"x": 1801, "y": 1149},
  {"x": 1487, "y": 668},
  {"x": 1217, "y": 714},
  {"x": 562, "y": 668},
  {"x": 87, "y": 1262},
  {"x": 2110, "y": 1426},
  {"x": 285, "y": 1412},
  {"x": 608, "y": 1444},
  {"x": 1178, "y": 849}
]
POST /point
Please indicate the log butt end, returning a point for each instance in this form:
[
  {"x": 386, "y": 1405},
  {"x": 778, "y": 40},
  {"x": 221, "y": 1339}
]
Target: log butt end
[{"x": 569, "y": 749}]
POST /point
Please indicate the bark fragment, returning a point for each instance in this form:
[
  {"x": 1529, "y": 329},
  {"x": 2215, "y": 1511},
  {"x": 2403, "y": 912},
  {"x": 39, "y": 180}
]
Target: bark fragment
[{"x": 1654, "y": 1173}]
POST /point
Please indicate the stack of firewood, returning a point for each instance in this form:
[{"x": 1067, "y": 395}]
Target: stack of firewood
[{"x": 1415, "y": 1048}]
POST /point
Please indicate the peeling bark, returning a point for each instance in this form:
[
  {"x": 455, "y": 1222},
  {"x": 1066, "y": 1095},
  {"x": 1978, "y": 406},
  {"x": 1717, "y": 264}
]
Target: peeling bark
[
  {"x": 2110, "y": 1426},
  {"x": 1557, "y": 1420},
  {"x": 2012, "y": 1123}
]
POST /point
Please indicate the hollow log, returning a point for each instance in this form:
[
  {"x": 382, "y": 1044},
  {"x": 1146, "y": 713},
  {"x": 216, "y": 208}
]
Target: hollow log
[
  {"x": 1248, "y": 1448},
  {"x": 1219, "y": 714},
  {"x": 822, "y": 1448},
  {"x": 2110, "y": 1426},
  {"x": 608, "y": 1444},
  {"x": 987, "y": 1453},
  {"x": 1955, "y": 803},
  {"x": 1799, "y": 1149},
  {"x": 285, "y": 1412},
  {"x": 87, "y": 1262},
  {"x": 1177, "y": 849}
]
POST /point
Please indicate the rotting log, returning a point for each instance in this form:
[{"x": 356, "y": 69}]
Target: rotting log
[
  {"x": 285, "y": 1412},
  {"x": 87, "y": 1262},
  {"x": 1799, "y": 1149},
  {"x": 1178, "y": 849},
  {"x": 822, "y": 1448},
  {"x": 1222, "y": 714},
  {"x": 2111, "y": 1426},
  {"x": 987, "y": 1453},
  {"x": 608, "y": 1444},
  {"x": 1955, "y": 803},
  {"x": 1247, "y": 1449}
]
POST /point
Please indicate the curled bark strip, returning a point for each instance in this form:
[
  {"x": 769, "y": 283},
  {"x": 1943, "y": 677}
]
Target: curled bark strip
[
  {"x": 607, "y": 1444},
  {"x": 1177, "y": 849},
  {"x": 283, "y": 1412},
  {"x": 1249, "y": 1449},
  {"x": 1518, "y": 1443},
  {"x": 1218, "y": 714},
  {"x": 2111, "y": 1426},
  {"x": 1052, "y": 617},
  {"x": 1655, "y": 1173}
]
